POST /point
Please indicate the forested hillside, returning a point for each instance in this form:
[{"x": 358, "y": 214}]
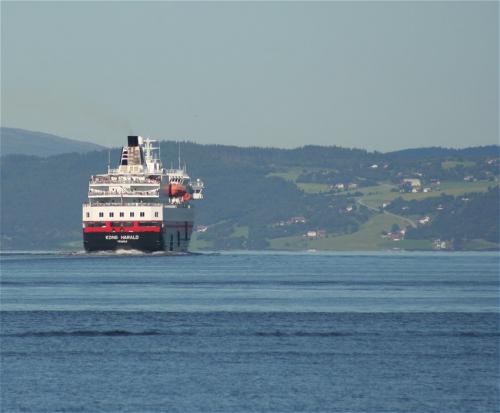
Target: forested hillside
[
  {"x": 457, "y": 218},
  {"x": 256, "y": 198}
]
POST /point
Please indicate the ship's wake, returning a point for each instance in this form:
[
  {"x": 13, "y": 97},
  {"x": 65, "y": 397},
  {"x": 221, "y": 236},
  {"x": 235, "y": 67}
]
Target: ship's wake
[
  {"x": 132, "y": 252},
  {"x": 110, "y": 253}
]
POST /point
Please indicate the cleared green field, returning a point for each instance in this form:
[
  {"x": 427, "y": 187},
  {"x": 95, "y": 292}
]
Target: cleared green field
[
  {"x": 461, "y": 187},
  {"x": 240, "y": 231},
  {"x": 452, "y": 188},
  {"x": 288, "y": 175},
  {"x": 311, "y": 188},
  {"x": 454, "y": 164},
  {"x": 375, "y": 196},
  {"x": 480, "y": 244},
  {"x": 366, "y": 239},
  {"x": 292, "y": 175}
]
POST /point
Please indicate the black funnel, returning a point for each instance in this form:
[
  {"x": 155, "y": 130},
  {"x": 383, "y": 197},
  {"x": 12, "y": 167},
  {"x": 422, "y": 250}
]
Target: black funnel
[{"x": 133, "y": 141}]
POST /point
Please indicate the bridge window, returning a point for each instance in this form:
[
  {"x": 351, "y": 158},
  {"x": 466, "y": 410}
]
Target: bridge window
[
  {"x": 131, "y": 214},
  {"x": 87, "y": 214},
  {"x": 122, "y": 214},
  {"x": 111, "y": 214},
  {"x": 142, "y": 214},
  {"x": 156, "y": 214},
  {"x": 101, "y": 214}
]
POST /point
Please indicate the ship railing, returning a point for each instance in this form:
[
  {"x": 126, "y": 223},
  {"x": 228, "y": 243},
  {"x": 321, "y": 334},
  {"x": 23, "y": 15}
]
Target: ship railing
[
  {"x": 176, "y": 206},
  {"x": 176, "y": 175},
  {"x": 94, "y": 204},
  {"x": 96, "y": 192},
  {"x": 127, "y": 180},
  {"x": 99, "y": 191}
]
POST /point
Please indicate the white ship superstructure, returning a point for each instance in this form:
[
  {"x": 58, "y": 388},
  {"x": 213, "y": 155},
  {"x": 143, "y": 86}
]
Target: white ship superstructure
[{"x": 140, "y": 205}]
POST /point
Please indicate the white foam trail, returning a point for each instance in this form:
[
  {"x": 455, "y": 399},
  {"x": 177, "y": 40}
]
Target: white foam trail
[
  {"x": 128, "y": 252},
  {"x": 110, "y": 253}
]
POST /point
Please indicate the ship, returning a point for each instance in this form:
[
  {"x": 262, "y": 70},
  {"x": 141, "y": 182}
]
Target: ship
[{"x": 140, "y": 205}]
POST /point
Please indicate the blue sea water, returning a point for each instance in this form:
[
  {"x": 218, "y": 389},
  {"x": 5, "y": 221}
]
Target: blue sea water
[{"x": 254, "y": 332}]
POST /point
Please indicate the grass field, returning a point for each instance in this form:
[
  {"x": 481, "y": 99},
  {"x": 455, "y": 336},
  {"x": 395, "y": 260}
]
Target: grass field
[
  {"x": 366, "y": 239},
  {"x": 311, "y": 188},
  {"x": 288, "y": 175},
  {"x": 292, "y": 175},
  {"x": 240, "y": 231},
  {"x": 454, "y": 164},
  {"x": 480, "y": 244},
  {"x": 375, "y": 196}
]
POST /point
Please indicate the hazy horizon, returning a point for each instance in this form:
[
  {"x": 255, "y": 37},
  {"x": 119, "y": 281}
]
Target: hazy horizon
[
  {"x": 163, "y": 139},
  {"x": 372, "y": 75}
]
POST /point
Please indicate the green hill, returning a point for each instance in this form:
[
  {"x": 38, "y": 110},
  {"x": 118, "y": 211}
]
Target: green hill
[{"x": 256, "y": 198}]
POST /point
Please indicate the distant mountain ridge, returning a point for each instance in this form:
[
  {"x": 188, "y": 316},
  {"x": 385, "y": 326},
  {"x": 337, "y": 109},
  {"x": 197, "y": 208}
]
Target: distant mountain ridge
[
  {"x": 439, "y": 152},
  {"x": 25, "y": 142},
  {"x": 16, "y": 141}
]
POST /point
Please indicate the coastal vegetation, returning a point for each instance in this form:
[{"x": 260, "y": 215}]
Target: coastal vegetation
[{"x": 320, "y": 198}]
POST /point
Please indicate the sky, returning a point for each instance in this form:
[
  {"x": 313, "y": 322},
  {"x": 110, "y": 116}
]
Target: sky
[{"x": 375, "y": 75}]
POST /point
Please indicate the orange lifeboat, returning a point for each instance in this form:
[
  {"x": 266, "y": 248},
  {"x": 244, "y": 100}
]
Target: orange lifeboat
[{"x": 175, "y": 190}]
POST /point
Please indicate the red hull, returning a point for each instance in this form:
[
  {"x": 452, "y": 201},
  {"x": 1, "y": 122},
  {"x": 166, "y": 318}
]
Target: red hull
[{"x": 127, "y": 227}]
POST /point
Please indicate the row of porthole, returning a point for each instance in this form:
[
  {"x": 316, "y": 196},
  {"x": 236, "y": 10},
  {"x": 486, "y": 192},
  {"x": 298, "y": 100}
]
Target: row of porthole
[{"x": 122, "y": 214}]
